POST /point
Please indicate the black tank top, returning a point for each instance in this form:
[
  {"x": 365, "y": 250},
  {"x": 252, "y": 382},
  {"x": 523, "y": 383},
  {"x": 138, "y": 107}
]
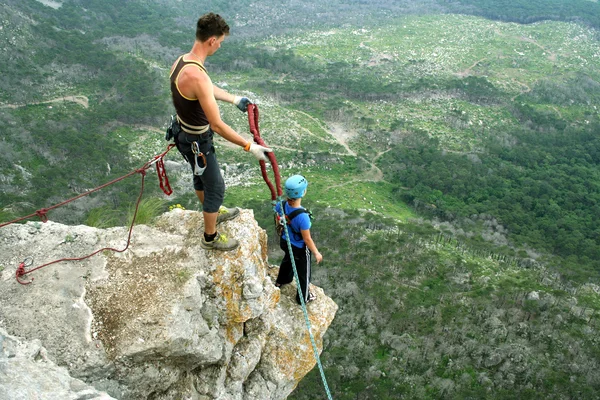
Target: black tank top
[{"x": 190, "y": 115}]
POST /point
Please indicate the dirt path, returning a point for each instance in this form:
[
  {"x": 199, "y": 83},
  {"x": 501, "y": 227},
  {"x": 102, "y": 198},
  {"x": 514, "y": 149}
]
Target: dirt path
[
  {"x": 467, "y": 71},
  {"x": 525, "y": 90},
  {"x": 551, "y": 56},
  {"x": 81, "y": 100}
]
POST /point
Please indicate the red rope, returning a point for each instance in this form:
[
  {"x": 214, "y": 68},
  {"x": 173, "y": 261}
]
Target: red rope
[
  {"x": 41, "y": 213},
  {"x": 22, "y": 272},
  {"x": 164, "y": 185},
  {"x": 253, "y": 122}
]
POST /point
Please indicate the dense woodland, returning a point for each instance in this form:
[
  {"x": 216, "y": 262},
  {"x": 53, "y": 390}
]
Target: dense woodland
[{"x": 489, "y": 291}]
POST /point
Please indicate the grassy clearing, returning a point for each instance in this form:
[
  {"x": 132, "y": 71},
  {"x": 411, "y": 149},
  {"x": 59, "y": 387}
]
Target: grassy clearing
[{"x": 333, "y": 189}]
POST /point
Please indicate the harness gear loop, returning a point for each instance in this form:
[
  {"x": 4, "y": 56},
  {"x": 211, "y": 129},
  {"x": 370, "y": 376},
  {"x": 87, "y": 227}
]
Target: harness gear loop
[
  {"x": 253, "y": 122},
  {"x": 198, "y": 170}
]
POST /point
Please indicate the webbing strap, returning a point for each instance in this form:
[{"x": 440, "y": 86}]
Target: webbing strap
[{"x": 305, "y": 311}]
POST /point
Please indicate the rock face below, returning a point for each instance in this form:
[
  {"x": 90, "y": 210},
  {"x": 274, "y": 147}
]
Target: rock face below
[{"x": 163, "y": 320}]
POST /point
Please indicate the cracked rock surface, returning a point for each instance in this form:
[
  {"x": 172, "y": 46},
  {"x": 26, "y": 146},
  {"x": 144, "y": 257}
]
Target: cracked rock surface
[{"x": 163, "y": 320}]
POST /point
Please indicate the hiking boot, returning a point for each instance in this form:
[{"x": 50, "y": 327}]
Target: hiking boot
[
  {"x": 221, "y": 242},
  {"x": 225, "y": 214}
]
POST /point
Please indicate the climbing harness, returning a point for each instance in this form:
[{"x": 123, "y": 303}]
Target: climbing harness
[
  {"x": 275, "y": 197},
  {"x": 280, "y": 222},
  {"x": 42, "y": 213}
]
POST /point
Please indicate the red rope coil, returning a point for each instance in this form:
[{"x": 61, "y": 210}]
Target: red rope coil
[{"x": 253, "y": 122}]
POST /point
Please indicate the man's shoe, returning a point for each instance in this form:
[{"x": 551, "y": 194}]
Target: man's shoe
[
  {"x": 225, "y": 214},
  {"x": 221, "y": 242}
]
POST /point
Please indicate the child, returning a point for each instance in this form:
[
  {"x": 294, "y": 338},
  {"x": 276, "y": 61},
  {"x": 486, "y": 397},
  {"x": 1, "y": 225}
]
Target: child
[{"x": 302, "y": 243}]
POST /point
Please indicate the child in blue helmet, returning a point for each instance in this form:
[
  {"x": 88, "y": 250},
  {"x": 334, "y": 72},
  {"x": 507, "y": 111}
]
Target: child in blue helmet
[{"x": 301, "y": 241}]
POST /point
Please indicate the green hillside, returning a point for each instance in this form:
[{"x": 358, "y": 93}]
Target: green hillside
[{"x": 452, "y": 154}]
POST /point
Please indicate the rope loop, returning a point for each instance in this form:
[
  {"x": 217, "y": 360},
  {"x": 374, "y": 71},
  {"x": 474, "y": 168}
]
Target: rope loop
[
  {"x": 253, "y": 122},
  {"x": 21, "y": 271}
]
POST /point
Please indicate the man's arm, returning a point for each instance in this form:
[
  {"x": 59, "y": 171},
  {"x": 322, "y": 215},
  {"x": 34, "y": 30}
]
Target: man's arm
[
  {"x": 240, "y": 102},
  {"x": 222, "y": 95},
  {"x": 204, "y": 90},
  {"x": 208, "y": 96}
]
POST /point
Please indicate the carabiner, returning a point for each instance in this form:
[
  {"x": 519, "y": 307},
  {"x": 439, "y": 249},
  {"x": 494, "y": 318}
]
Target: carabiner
[{"x": 198, "y": 170}]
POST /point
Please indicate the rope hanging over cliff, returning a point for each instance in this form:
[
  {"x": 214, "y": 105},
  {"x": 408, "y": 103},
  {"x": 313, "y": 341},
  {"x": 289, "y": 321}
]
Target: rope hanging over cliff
[
  {"x": 305, "y": 311},
  {"x": 275, "y": 196},
  {"x": 42, "y": 213}
]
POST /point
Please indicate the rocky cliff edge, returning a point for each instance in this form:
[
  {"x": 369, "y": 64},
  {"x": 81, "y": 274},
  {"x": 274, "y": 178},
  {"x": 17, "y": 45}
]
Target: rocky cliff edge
[{"x": 163, "y": 320}]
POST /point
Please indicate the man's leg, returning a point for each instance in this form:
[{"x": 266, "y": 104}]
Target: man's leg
[
  {"x": 224, "y": 213},
  {"x": 210, "y": 219},
  {"x": 200, "y": 194},
  {"x": 210, "y": 189},
  {"x": 210, "y": 222}
]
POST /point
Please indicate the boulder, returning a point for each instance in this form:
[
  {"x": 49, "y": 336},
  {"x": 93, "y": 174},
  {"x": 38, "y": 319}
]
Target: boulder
[{"x": 164, "y": 319}]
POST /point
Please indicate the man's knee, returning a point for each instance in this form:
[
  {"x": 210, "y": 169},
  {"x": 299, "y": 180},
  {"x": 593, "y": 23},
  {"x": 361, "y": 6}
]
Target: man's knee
[{"x": 213, "y": 201}]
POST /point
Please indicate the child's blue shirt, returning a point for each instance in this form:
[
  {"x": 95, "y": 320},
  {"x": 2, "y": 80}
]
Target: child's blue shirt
[{"x": 300, "y": 223}]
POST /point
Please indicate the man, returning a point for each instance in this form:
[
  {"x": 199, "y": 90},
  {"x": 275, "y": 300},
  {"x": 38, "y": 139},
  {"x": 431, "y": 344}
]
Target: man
[{"x": 194, "y": 98}]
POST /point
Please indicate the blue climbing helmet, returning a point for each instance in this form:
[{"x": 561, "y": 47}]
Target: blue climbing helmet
[{"x": 295, "y": 186}]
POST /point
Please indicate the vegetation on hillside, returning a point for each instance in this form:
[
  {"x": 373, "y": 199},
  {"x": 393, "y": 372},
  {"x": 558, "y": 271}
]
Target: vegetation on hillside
[
  {"x": 487, "y": 129},
  {"x": 428, "y": 316},
  {"x": 526, "y": 12}
]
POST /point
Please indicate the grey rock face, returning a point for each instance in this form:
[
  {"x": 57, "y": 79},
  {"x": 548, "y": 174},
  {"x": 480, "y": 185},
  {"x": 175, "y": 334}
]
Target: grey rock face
[
  {"x": 27, "y": 373},
  {"x": 163, "y": 320}
]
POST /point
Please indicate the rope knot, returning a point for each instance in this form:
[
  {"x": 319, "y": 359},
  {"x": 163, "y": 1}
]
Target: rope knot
[
  {"x": 20, "y": 273},
  {"x": 42, "y": 214}
]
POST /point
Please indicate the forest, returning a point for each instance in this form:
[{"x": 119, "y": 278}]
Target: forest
[{"x": 459, "y": 217}]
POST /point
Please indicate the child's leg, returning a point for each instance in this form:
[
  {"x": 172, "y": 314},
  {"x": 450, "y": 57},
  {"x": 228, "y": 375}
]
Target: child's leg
[
  {"x": 286, "y": 273},
  {"x": 302, "y": 260}
]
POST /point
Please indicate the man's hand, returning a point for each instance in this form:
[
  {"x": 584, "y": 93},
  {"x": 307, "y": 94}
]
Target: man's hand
[
  {"x": 242, "y": 103},
  {"x": 259, "y": 151}
]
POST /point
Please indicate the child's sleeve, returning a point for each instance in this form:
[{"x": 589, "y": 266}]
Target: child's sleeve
[{"x": 304, "y": 222}]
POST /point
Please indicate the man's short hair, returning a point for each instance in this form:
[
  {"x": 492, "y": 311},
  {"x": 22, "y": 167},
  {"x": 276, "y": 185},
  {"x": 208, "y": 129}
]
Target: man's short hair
[{"x": 210, "y": 25}]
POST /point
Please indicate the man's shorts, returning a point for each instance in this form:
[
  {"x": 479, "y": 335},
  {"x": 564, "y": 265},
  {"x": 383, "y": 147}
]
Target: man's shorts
[{"x": 211, "y": 181}]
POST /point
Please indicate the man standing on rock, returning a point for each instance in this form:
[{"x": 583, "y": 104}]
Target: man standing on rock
[{"x": 195, "y": 100}]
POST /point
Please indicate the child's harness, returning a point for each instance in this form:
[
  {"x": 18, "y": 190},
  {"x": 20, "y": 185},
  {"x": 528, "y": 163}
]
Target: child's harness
[{"x": 279, "y": 222}]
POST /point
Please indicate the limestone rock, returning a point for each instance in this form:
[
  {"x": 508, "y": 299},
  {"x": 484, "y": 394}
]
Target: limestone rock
[
  {"x": 164, "y": 319},
  {"x": 27, "y": 373}
]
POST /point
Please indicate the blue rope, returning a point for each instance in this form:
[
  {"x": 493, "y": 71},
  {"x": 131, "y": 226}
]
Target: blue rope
[{"x": 312, "y": 339}]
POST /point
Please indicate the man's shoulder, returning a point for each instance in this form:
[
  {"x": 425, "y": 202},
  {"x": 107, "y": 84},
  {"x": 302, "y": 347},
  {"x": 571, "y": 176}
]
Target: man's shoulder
[{"x": 191, "y": 75}]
